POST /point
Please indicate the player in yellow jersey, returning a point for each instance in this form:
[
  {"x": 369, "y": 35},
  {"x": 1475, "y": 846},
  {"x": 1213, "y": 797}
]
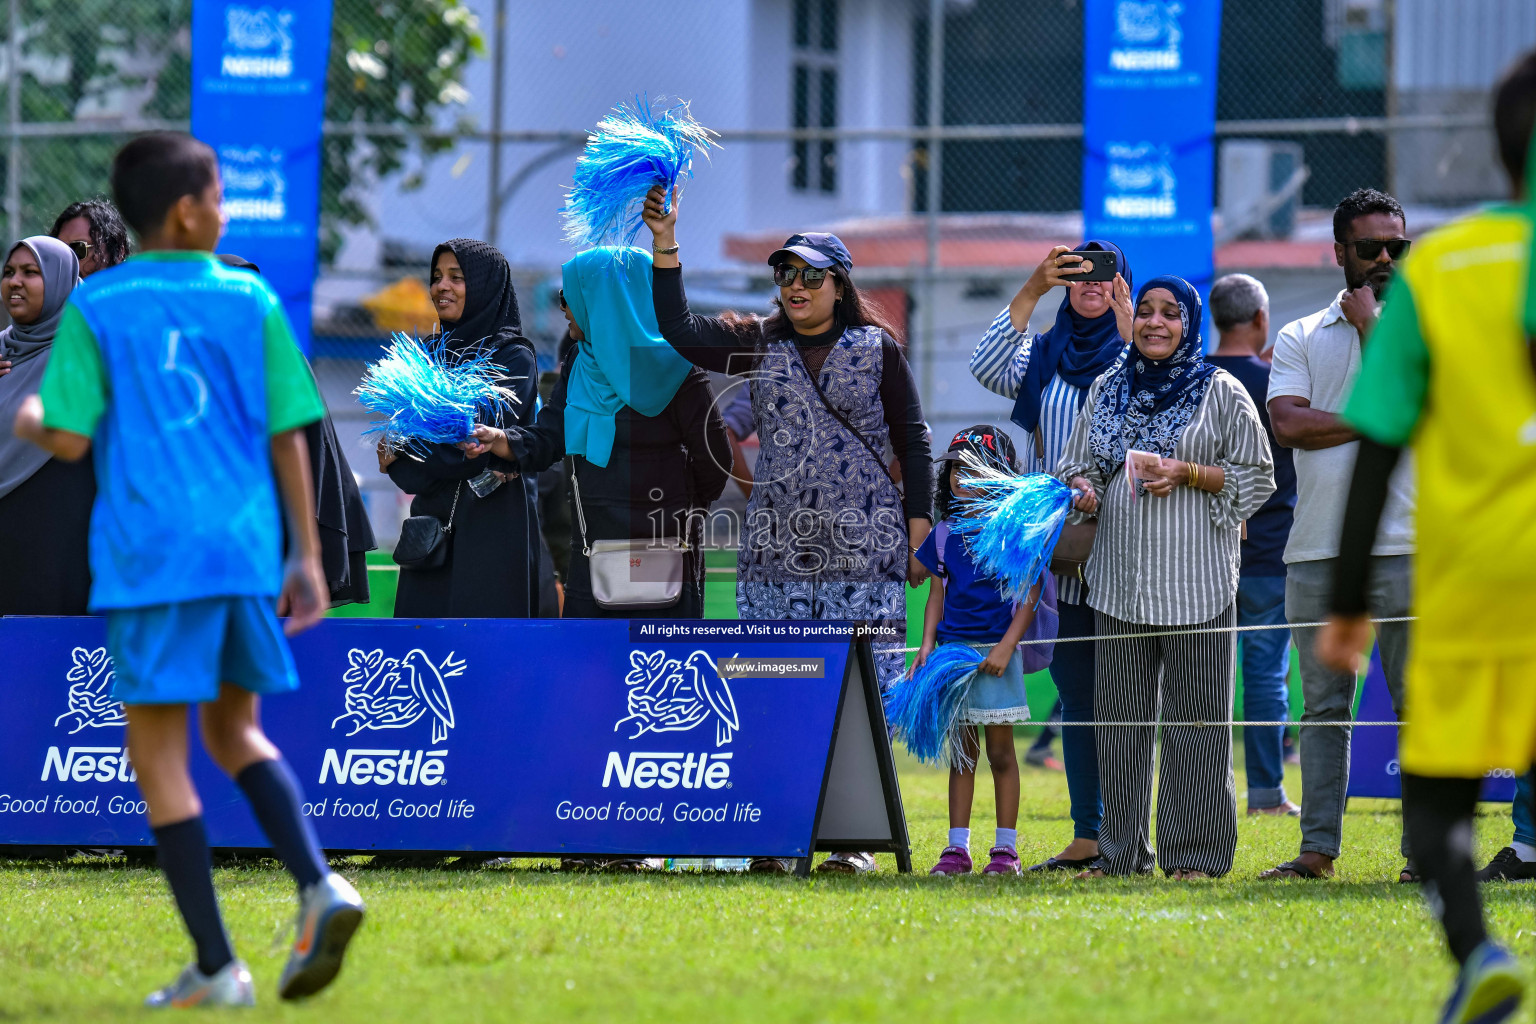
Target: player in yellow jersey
[{"x": 1451, "y": 370}]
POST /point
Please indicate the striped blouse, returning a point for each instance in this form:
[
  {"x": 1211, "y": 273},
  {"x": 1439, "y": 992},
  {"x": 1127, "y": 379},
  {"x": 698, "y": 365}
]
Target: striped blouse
[
  {"x": 998, "y": 365},
  {"x": 1174, "y": 561}
]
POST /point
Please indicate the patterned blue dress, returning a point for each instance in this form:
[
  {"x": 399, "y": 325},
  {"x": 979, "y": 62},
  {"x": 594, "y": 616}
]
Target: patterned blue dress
[{"x": 825, "y": 535}]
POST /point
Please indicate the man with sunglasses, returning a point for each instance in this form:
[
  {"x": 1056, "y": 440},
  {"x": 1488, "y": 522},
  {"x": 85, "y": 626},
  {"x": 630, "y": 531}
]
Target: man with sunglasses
[{"x": 1316, "y": 360}]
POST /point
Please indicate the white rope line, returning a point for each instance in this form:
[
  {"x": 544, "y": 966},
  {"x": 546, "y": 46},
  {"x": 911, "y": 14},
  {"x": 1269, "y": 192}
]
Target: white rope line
[
  {"x": 1168, "y": 632},
  {"x": 1133, "y": 636},
  {"x": 1226, "y": 724}
]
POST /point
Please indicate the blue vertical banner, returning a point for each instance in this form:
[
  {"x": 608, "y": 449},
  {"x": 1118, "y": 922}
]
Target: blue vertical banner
[
  {"x": 258, "y": 98},
  {"x": 1149, "y": 118}
]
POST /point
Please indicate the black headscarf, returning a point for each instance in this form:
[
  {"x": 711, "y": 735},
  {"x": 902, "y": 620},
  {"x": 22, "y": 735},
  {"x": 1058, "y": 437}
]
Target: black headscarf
[
  {"x": 491, "y": 319},
  {"x": 229, "y": 259}
]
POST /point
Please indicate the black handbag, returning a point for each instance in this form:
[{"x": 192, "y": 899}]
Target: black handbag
[
  {"x": 1075, "y": 543},
  {"x": 423, "y": 540}
]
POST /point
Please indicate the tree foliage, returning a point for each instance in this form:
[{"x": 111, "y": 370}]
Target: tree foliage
[{"x": 394, "y": 64}]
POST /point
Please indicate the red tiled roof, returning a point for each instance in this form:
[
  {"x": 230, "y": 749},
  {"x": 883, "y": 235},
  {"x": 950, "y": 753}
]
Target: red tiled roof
[{"x": 1001, "y": 241}]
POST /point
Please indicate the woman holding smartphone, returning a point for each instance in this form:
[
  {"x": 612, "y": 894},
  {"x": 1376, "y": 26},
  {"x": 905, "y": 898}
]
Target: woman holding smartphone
[{"x": 1046, "y": 376}]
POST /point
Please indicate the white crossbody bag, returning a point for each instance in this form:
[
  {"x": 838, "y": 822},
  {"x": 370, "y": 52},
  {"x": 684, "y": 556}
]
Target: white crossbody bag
[{"x": 630, "y": 573}]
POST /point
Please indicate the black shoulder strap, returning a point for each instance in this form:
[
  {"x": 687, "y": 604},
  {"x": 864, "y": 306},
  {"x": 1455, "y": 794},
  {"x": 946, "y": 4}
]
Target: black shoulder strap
[{"x": 816, "y": 387}]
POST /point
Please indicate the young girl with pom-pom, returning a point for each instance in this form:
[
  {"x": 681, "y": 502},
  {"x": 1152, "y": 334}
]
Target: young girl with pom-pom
[{"x": 966, "y": 606}]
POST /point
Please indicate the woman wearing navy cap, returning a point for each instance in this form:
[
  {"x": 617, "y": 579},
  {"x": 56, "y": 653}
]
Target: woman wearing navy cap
[{"x": 828, "y": 534}]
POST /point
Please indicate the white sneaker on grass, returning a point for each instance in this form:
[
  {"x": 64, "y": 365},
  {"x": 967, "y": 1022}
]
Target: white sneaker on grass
[
  {"x": 231, "y": 985},
  {"x": 329, "y": 913}
]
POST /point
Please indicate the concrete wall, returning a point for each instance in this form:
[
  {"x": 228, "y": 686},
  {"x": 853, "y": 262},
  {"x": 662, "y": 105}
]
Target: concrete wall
[{"x": 1446, "y": 58}]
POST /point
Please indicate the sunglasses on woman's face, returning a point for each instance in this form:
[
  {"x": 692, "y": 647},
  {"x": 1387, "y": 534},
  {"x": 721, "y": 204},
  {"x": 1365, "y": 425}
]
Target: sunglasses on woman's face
[
  {"x": 80, "y": 249},
  {"x": 784, "y": 275},
  {"x": 1370, "y": 248}
]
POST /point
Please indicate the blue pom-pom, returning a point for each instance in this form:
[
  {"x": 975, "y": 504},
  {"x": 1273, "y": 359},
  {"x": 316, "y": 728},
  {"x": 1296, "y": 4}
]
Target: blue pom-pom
[
  {"x": 428, "y": 395},
  {"x": 923, "y": 709},
  {"x": 632, "y": 150},
  {"x": 1012, "y": 527}
]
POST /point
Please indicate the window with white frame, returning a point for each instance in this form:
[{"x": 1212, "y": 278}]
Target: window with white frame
[{"x": 813, "y": 93}]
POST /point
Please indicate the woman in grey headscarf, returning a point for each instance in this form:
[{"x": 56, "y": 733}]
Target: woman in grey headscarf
[{"x": 45, "y": 504}]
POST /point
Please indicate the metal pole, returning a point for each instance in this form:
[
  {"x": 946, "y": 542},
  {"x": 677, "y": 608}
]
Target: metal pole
[
  {"x": 498, "y": 80},
  {"x": 13, "y": 117},
  {"x": 1391, "y": 139},
  {"x": 934, "y": 191}
]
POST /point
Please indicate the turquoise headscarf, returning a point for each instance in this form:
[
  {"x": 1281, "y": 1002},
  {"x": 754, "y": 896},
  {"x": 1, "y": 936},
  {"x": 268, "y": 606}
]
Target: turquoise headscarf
[{"x": 623, "y": 359}]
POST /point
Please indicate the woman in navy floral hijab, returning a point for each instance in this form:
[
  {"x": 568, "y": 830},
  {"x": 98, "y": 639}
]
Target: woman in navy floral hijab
[
  {"x": 1147, "y": 405},
  {"x": 1162, "y": 581}
]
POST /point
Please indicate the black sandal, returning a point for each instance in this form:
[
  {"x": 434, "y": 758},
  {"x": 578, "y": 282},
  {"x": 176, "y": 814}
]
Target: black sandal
[
  {"x": 1294, "y": 869},
  {"x": 1065, "y": 864}
]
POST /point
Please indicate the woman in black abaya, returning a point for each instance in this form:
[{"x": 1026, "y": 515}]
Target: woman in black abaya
[{"x": 491, "y": 570}]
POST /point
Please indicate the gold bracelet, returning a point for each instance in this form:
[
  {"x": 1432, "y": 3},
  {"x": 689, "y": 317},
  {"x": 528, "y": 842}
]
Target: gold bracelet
[
  {"x": 670, "y": 250},
  {"x": 1194, "y": 475}
]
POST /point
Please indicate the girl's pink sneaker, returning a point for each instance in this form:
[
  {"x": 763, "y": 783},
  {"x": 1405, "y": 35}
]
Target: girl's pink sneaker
[
  {"x": 1005, "y": 861},
  {"x": 955, "y": 860}
]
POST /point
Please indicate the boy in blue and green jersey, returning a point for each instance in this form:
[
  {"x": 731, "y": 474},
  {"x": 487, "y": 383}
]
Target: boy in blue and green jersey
[{"x": 182, "y": 378}]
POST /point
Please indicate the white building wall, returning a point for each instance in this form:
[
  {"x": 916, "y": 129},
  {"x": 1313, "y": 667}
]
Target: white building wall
[
  {"x": 569, "y": 63},
  {"x": 874, "y": 91}
]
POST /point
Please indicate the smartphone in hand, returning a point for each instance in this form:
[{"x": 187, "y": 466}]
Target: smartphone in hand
[{"x": 1102, "y": 265}]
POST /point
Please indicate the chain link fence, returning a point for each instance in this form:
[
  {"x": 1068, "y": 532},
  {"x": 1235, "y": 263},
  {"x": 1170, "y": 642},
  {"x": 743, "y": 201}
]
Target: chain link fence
[{"x": 464, "y": 117}]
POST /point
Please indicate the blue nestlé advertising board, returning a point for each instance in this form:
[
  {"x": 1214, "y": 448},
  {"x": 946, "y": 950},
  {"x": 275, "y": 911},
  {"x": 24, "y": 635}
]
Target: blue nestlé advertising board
[
  {"x": 514, "y": 736},
  {"x": 1149, "y": 118},
  {"x": 258, "y": 98}
]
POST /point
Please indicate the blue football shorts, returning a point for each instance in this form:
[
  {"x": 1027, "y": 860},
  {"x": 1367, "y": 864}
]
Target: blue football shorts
[{"x": 179, "y": 653}]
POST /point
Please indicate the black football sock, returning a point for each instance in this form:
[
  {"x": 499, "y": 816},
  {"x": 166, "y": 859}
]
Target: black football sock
[
  {"x": 275, "y": 797},
  {"x": 183, "y": 849},
  {"x": 1438, "y": 815}
]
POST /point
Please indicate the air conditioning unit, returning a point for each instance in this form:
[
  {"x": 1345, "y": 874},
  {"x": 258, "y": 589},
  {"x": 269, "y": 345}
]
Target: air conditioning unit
[{"x": 1259, "y": 189}]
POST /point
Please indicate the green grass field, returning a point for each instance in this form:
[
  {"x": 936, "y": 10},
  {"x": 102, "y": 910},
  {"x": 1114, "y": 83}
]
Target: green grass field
[{"x": 84, "y": 942}]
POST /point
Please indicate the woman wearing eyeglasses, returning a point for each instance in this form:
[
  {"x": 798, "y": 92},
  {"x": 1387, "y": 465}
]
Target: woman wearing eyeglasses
[
  {"x": 828, "y": 534},
  {"x": 45, "y": 503}
]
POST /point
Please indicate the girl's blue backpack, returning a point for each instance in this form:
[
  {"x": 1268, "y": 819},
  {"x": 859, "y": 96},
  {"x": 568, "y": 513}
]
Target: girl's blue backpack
[{"x": 1046, "y": 625}]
